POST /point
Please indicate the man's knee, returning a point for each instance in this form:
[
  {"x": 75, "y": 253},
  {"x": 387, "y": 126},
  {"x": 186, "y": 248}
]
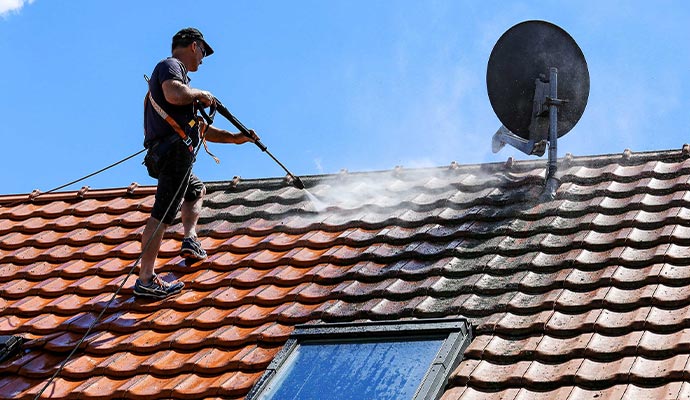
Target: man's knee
[{"x": 195, "y": 190}]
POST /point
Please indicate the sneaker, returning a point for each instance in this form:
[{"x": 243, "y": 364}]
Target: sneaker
[
  {"x": 191, "y": 249},
  {"x": 158, "y": 288}
]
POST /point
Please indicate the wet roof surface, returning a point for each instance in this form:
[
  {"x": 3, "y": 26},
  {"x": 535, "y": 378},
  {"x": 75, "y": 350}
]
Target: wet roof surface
[{"x": 582, "y": 296}]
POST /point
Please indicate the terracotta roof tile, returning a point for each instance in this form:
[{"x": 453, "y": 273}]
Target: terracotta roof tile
[{"x": 553, "y": 349}]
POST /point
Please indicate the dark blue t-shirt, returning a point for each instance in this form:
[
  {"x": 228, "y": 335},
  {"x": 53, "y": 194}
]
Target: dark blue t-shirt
[{"x": 156, "y": 127}]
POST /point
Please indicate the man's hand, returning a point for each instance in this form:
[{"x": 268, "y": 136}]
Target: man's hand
[
  {"x": 242, "y": 138},
  {"x": 206, "y": 98},
  {"x": 179, "y": 94},
  {"x": 253, "y": 134}
]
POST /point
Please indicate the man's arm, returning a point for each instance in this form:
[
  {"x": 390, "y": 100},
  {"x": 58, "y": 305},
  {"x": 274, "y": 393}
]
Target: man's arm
[
  {"x": 179, "y": 94},
  {"x": 218, "y": 135}
]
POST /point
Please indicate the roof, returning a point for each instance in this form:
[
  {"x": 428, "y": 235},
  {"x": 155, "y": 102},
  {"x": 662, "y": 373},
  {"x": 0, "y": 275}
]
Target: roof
[{"x": 583, "y": 296}]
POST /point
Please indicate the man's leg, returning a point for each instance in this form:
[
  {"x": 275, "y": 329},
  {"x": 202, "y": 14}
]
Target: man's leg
[
  {"x": 151, "y": 241},
  {"x": 191, "y": 209},
  {"x": 148, "y": 284}
]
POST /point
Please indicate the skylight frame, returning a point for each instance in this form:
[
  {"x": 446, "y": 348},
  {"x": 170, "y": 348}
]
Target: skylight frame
[{"x": 457, "y": 333}]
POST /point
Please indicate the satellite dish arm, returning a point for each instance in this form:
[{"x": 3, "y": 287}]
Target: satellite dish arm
[
  {"x": 553, "y": 102},
  {"x": 504, "y": 136}
]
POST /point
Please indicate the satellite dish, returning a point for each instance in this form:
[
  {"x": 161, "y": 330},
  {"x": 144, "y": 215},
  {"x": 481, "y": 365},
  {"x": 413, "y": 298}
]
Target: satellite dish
[
  {"x": 521, "y": 55},
  {"x": 538, "y": 85}
]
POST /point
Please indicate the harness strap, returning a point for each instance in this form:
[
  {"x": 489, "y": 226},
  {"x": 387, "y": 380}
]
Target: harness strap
[
  {"x": 203, "y": 126},
  {"x": 176, "y": 127}
]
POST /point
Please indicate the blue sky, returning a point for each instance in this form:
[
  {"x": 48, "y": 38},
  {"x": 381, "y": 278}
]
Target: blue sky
[{"x": 361, "y": 85}]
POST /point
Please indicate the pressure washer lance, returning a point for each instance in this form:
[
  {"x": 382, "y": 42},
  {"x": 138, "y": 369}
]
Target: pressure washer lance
[{"x": 220, "y": 108}]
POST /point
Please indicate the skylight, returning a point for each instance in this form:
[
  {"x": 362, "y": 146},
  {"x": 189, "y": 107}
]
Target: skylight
[{"x": 386, "y": 360}]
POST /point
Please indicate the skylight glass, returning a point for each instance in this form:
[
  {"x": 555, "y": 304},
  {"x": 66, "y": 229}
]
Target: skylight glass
[
  {"x": 357, "y": 361},
  {"x": 355, "y": 370}
]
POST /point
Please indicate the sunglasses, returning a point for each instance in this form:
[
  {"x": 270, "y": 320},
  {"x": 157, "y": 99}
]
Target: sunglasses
[{"x": 203, "y": 48}]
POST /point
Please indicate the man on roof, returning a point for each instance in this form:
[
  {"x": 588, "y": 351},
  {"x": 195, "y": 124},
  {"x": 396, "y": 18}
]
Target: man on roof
[{"x": 171, "y": 135}]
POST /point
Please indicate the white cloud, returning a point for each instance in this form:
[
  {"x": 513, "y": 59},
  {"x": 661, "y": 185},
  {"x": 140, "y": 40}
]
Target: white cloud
[{"x": 8, "y": 6}]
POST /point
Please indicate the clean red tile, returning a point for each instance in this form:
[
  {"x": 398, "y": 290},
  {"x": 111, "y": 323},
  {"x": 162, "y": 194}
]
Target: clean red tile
[
  {"x": 275, "y": 333},
  {"x": 279, "y": 240},
  {"x": 214, "y": 360},
  {"x": 250, "y": 277},
  {"x": 244, "y": 243},
  {"x": 254, "y": 315},
  {"x": 271, "y": 295},
  {"x": 74, "y": 269},
  {"x": 150, "y": 386},
  {"x": 58, "y": 389},
  {"x": 91, "y": 285},
  {"x": 169, "y": 363},
  {"x": 313, "y": 293},
  {"x": 83, "y": 367},
  {"x": 236, "y": 383},
  {"x": 15, "y": 240},
  {"x": 130, "y": 219},
  {"x": 31, "y": 305},
  {"x": 106, "y": 343},
  {"x": 171, "y": 319},
  {"x": 233, "y": 336},
  {"x": 45, "y": 323},
  {"x": 113, "y": 266},
  {"x": 54, "y": 287},
  {"x": 289, "y": 275},
  {"x": 17, "y": 289},
  {"x": 258, "y": 358},
  {"x": 297, "y": 313},
  {"x": 191, "y": 300},
  {"x": 229, "y": 297},
  {"x": 192, "y": 386}
]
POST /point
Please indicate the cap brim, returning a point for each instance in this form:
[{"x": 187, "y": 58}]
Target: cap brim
[{"x": 209, "y": 50}]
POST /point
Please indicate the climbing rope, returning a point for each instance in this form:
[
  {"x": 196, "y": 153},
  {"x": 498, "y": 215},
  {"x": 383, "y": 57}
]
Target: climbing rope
[{"x": 77, "y": 180}]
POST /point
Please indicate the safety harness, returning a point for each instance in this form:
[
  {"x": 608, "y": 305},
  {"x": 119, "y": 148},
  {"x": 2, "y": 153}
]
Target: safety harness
[
  {"x": 173, "y": 124},
  {"x": 204, "y": 121}
]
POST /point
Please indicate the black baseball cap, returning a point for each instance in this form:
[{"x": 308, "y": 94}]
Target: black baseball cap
[{"x": 189, "y": 35}]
